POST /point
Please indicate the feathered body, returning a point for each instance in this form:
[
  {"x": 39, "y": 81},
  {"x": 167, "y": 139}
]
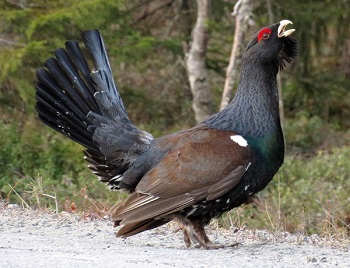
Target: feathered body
[{"x": 190, "y": 176}]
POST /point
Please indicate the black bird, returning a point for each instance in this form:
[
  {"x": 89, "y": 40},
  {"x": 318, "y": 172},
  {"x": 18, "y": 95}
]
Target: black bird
[{"x": 190, "y": 176}]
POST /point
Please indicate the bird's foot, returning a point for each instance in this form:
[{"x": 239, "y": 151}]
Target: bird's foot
[
  {"x": 194, "y": 233},
  {"x": 217, "y": 246}
]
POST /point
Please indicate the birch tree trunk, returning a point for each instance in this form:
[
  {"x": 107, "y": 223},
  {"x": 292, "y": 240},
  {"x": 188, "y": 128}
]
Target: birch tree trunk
[
  {"x": 195, "y": 64},
  {"x": 243, "y": 11}
]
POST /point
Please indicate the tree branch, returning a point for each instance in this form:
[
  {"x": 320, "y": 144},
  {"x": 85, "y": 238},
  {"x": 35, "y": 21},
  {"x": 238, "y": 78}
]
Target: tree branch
[
  {"x": 9, "y": 43},
  {"x": 242, "y": 10}
]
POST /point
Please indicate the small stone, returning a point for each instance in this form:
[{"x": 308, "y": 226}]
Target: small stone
[
  {"x": 311, "y": 259},
  {"x": 324, "y": 259}
]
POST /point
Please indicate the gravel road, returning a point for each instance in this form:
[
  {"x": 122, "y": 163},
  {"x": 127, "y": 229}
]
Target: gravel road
[{"x": 41, "y": 239}]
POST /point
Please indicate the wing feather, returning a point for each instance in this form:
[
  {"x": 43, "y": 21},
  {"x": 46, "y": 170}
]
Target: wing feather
[{"x": 203, "y": 165}]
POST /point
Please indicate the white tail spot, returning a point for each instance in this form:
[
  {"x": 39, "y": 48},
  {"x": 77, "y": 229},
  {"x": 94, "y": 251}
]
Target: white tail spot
[{"x": 240, "y": 140}]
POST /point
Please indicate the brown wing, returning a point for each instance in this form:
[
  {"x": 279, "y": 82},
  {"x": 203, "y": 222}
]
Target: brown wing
[{"x": 202, "y": 164}]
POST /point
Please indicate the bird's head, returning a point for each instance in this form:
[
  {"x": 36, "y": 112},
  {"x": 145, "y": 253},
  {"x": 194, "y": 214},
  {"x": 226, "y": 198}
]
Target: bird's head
[{"x": 273, "y": 45}]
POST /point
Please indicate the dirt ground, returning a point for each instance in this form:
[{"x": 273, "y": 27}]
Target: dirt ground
[{"x": 42, "y": 239}]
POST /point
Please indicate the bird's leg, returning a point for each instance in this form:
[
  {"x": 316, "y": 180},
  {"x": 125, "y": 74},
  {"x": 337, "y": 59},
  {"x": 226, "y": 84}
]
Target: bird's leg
[
  {"x": 187, "y": 238},
  {"x": 203, "y": 239},
  {"x": 189, "y": 235},
  {"x": 194, "y": 232},
  {"x": 187, "y": 229}
]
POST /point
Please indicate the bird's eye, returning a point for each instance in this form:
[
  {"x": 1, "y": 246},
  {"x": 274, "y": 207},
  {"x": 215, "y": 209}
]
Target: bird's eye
[{"x": 264, "y": 34}]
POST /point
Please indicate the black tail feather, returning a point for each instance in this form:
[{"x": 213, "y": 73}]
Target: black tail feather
[
  {"x": 58, "y": 117},
  {"x": 85, "y": 105},
  {"x": 47, "y": 87},
  {"x": 74, "y": 78},
  {"x": 58, "y": 74},
  {"x": 48, "y": 105},
  {"x": 77, "y": 56},
  {"x": 103, "y": 75}
]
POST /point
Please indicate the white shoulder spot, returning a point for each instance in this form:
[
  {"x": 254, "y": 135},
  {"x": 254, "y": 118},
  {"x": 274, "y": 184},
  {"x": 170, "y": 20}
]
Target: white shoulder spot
[{"x": 240, "y": 140}]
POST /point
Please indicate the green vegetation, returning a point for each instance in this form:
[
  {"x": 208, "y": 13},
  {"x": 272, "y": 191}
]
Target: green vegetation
[
  {"x": 307, "y": 196},
  {"x": 145, "y": 44}
]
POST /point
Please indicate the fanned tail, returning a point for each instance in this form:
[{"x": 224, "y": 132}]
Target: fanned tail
[{"x": 85, "y": 105}]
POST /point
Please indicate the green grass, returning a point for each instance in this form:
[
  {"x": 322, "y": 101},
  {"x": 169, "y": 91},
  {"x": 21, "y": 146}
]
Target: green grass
[{"x": 307, "y": 195}]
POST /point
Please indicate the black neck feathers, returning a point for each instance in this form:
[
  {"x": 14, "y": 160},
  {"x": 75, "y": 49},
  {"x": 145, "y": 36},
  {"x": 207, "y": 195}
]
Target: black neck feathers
[{"x": 254, "y": 110}]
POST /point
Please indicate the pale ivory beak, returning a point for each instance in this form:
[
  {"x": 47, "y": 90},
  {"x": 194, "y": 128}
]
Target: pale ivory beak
[{"x": 282, "y": 29}]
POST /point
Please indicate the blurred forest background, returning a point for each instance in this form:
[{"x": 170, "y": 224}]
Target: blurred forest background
[{"x": 146, "y": 40}]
